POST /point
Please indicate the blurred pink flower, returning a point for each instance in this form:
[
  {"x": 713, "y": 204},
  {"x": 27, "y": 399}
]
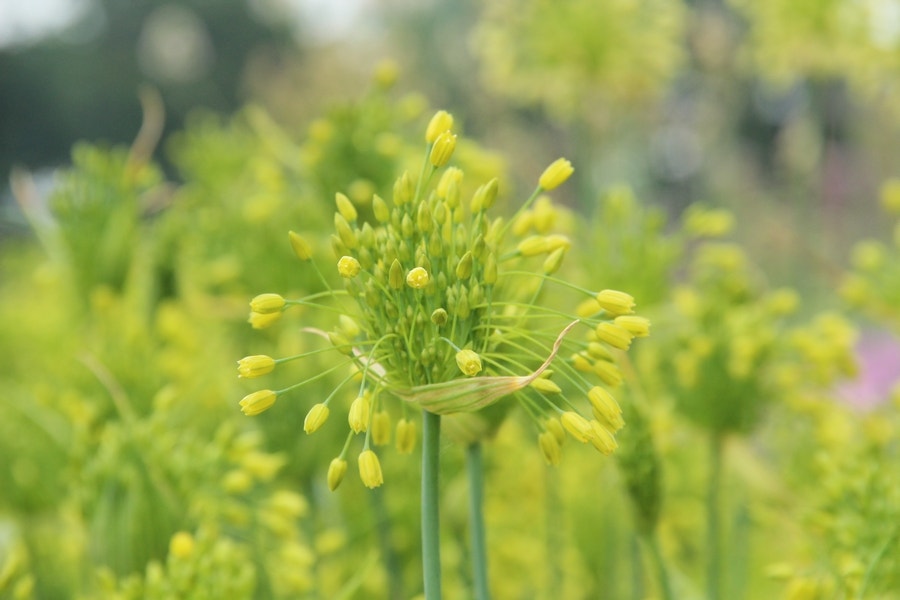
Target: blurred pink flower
[{"x": 878, "y": 354}]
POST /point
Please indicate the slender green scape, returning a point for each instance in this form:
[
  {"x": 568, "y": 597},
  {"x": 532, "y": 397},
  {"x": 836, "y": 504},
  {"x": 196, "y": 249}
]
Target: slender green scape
[{"x": 441, "y": 311}]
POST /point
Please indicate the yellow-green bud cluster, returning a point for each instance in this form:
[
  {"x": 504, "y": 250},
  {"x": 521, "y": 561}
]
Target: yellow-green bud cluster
[{"x": 445, "y": 313}]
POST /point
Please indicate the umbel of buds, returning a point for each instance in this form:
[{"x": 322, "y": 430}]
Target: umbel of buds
[{"x": 441, "y": 310}]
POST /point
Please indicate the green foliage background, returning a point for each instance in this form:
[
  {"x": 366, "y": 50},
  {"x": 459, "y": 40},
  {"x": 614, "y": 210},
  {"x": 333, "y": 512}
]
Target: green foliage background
[{"x": 736, "y": 171}]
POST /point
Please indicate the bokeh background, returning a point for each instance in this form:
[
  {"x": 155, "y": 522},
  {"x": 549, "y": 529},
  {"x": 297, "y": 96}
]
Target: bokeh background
[{"x": 736, "y": 171}]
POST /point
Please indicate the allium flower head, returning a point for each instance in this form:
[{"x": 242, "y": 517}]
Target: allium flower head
[{"x": 441, "y": 309}]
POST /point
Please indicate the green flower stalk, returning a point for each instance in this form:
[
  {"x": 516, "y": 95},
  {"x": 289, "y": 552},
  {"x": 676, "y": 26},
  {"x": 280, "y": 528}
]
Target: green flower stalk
[{"x": 440, "y": 312}]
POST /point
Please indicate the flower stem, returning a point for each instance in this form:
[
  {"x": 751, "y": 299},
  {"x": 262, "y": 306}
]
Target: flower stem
[
  {"x": 431, "y": 535},
  {"x": 713, "y": 517},
  {"x": 659, "y": 565},
  {"x": 475, "y": 468}
]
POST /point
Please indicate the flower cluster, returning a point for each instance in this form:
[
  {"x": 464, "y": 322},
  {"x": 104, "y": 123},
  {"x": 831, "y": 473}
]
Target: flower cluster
[{"x": 441, "y": 309}]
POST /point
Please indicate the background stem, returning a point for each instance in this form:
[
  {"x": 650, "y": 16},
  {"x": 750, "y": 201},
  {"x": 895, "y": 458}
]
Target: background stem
[
  {"x": 713, "y": 517},
  {"x": 659, "y": 565}
]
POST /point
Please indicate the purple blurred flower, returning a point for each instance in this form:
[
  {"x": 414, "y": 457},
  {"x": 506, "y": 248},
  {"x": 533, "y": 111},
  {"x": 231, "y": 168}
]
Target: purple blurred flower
[{"x": 878, "y": 354}]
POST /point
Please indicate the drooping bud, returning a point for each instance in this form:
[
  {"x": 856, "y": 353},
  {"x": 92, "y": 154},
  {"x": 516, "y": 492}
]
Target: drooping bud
[
  {"x": 255, "y": 366},
  {"x": 257, "y": 402},
  {"x": 468, "y": 362},
  {"x": 336, "y": 471},
  {"x": 267, "y": 303},
  {"x": 406, "y": 436},
  {"x": 370, "y": 469},
  {"x": 577, "y": 426},
  {"x": 615, "y": 302},
  {"x": 315, "y": 418}
]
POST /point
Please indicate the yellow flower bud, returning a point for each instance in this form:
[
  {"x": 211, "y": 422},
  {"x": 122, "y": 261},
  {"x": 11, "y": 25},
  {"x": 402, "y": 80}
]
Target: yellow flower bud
[
  {"x": 550, "y": 448},
  {"x": 340, "y": 342},
  {"x": 261, "y": 321},
  {"x": 581, "y": 363},
  {"x": 358, "y": 416},
  {"x": 602, "y": 439},
  {"x": 255, "y": 366},
  {"x": 345, "y": 232},
  {"x": 345, "y": 207},
  {"x": 381, "y": 428},
  {"x": 315, "y": 418},
  {"x": 452, "y": 175},
  {"x": 615, "y": 336},
  {"x": 615, "y": 302},
  {"x": 348, "y": 326},
  {"x": 441, "y": 121},
  {"x": 181, "y": 545},
  {"x": 257, "y": 402},
  {"x": 577, "y": 426},
  {"x": 348, "y": 267},
  {"x": 464, "y": 266},
  {"x": 490, "y": 270},
  {"x": 403, "y": 190},
  {"x": 442, "y": 149},
  {"x": 370, "y": 469},
  {"x": 301, "y": 247},
  {"x": 588, "y": 308},
  {"x": 532, "y": 246},
  {"x": 395, "y": 275},
  {"x": 555, "y": 427},
  {"x": 545, "y": 386},
  {"x": 605, "y": 408},
  {"x": 439, "y": 316},
  {"x": 890, "y": 195},
  {"x": 336, "y": 471},
  {"x": 267, "y": 303},
  {"x": 380, "y": 209},
  {"x": 608, "y": 373},
  {"x": 554, "y": 175},
  {"x": 485, "y": 196},
  {"x": 637, "y": 326},
  {"x": 417, "y": 278},
  {"x": 554, "y": 261},
  {"x": 386, "y": 73},
  {"x": 468, "y": 362},
  {"x": 406, "y": 436}
]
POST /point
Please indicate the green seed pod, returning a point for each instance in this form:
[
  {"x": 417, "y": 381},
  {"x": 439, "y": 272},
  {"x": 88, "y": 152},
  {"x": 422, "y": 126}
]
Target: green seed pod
[
  {"x": 490, "y": 269},
  {"x": 423, "y": 219},
  {"x": 396, "y": 275},
  {"x": 554, "y": 261},
  {"x": 345, "y": 232},
  {"x": 439, "y": 316},
  {"x": 345, "y": 207},
  {"x": 367, "y": 236},
  {"x": 380, "y": 209},
  {"x": 464, "y": 266},
  {"x": 407, "y": 228},
  {"x": 478, "y": 247},
  {"x": 338, "y": 247},
  {"x": 403, "y": 190},
  {"x": 435, "y": 246},
  {"x": 462, "y": 306},
  {"x": 484, "y": 196}
]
